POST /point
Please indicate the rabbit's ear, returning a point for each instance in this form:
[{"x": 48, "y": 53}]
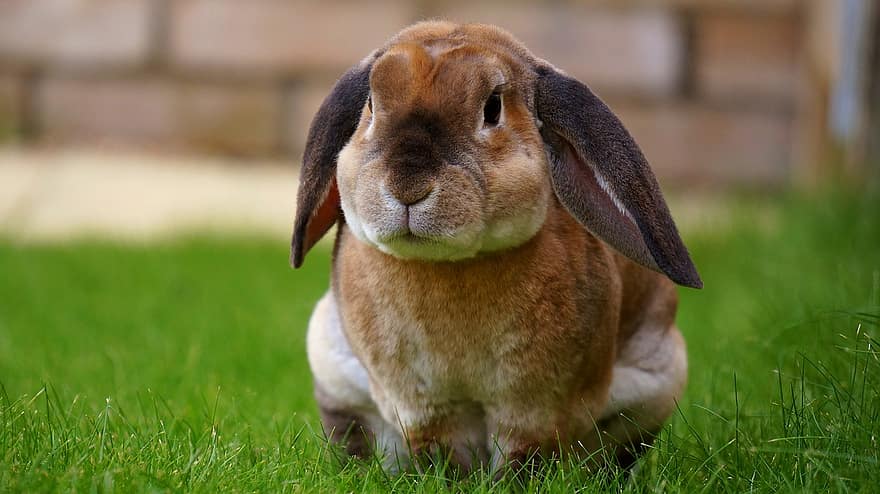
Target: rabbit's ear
[
  {"x": 601, "y": 177},
  {"x": 318, "y": 206}
]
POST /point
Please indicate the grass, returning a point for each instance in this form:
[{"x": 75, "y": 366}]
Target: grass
[{"x": 180, "y": 366}]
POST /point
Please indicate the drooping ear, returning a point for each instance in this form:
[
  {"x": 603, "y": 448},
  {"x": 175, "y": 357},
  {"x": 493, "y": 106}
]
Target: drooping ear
[
  {"x": 600, "y": 175},
  {"x": 317, "y": 205}
]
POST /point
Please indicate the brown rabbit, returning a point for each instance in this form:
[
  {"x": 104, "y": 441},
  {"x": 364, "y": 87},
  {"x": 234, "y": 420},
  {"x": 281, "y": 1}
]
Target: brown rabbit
[{"x": 499, "y": 281}]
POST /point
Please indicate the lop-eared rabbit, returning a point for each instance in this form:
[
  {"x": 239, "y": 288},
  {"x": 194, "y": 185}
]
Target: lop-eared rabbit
[{"x": 502, "y": 277}]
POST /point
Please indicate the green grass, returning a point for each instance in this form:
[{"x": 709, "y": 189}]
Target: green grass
[{"x": 181, "y": 366}]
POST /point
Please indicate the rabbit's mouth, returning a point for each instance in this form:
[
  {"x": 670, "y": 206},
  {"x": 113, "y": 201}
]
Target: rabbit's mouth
[
  {"x": 431, "y": 229},
  {"x": 412, "y": 242},
  {"x": 406, "y": 235}
]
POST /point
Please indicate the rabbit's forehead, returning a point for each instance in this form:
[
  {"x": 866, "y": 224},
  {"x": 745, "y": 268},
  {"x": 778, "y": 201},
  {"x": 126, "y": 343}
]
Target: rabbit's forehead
[{"x": 408, "y": 71}]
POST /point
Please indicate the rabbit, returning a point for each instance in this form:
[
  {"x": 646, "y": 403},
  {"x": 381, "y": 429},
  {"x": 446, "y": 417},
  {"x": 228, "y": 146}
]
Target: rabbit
[{"x": 504, "y": 267}]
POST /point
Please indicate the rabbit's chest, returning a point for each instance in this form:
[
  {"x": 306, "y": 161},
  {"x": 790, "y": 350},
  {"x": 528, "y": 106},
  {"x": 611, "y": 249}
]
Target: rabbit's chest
[
  {"x": 435, "y": 334},
  {"x": 454, "y": 354},
  {"x": 444, "y": 347}
]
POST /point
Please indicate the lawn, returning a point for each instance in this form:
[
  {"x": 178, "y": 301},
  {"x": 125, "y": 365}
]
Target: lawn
[{"x": 180, "y": 365}]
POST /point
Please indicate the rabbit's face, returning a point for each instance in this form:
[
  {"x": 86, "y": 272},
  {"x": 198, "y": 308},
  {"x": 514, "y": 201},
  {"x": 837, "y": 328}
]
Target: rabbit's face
[
  {"x": 454, "y": 140},
  {"x": 447, "y": 160}
]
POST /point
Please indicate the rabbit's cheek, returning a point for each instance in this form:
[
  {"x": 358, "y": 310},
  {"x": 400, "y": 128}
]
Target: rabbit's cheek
[
  {"x": 347, "y": 174},
  {"x": 518, "y": 198}
]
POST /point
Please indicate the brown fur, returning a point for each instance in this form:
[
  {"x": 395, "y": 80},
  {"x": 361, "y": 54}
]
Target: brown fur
[{"x": 487, "y": 320}]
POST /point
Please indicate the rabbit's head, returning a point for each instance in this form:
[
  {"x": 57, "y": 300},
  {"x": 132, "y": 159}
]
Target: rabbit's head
[{"x": 453, "y": 141}]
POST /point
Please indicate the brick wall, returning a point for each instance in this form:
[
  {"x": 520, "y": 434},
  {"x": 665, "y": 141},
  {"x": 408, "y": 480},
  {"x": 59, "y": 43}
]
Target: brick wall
[{"x": 712, "y": 89}]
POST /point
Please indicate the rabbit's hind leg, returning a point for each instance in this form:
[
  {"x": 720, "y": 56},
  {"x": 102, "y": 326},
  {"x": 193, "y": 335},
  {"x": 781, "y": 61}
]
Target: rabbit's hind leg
[
  {"x": 649, "y": 377},
  {"x": 341, "y": 383}
]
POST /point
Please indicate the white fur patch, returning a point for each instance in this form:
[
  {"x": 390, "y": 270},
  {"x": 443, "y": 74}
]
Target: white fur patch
[
  {"x": 509, "y": 232},
  {"x": 651, "y": 368},
  {"x": 339, "y": 372},
  {"x": 390, "y": 446}
]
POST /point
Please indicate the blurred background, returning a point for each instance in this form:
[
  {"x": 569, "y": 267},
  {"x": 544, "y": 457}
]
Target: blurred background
[{"x": 134, "y": 116}]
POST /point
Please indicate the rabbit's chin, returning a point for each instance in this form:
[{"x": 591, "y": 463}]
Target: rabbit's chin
[
  {"x": 414, "y": 248},
  {"x": 418, "y": 243}
]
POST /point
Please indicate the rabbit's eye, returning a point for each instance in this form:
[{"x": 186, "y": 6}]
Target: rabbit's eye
[{"x": 492, "y": 110}]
